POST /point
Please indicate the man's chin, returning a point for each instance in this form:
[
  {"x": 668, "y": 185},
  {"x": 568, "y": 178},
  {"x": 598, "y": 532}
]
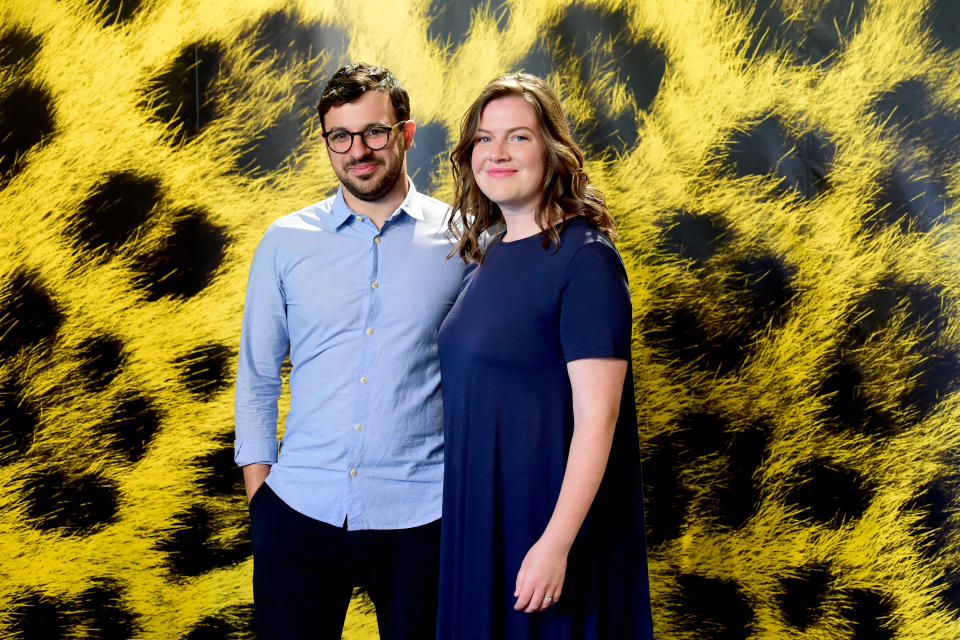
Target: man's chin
[{"x": 367, "y": 192}]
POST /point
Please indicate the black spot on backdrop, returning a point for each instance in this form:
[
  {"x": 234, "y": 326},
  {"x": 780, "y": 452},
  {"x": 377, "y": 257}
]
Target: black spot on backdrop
[
  {"x": 932, "y": 504},
  {"x": 450, "y": 21},
  {"x": 187, "y": 259},
  {"x": 101, "y": 358},
  {"x": 269, "y": 149},
  {"x": 680, "y": 335},
  {"x": 116, "y": 11},
  {"x": 35, "y": 616},
  {"x": 210, "y": 628},
  {"x": 936, "y": 376},
  {"x": 921, "y": 303},
  {"x": 869, "y": 614},
  {"x": 645, "y": 64},
  {"x": 102, "y": 610},
  {"x": 235, "y": 623},
  {"x": 738, "y": 493},
  {"x": 695, "y": 236},
  {"x": 713, "y": 609},
  {"x": 758, "y": 149},
  {"x": 769, "y": 29},
  {"x": 802, "y": 595},
  {"x": 768, "y": 148},
  {"x": 830, "y": 494},
  {"x": 78, "y": 504},
  {"x": 427, "y": 154},
  {"x": 539, "y": 60},
  {"x": 18, "y": 423},
  {"x": 26, "y": 119},
  {"x": 846, "y": 405},
  {"x": 910, "y": 107},
  {"x": 28, "y": 314},
  {"x": 132, "y": 425},
  {"x": 283, "y": 34},
  {"x": 766, "y": 290},
  {"x": 699, "y": 433},
  {"x": 641, "y": 62},
  {"x": 184, "y": 92},
  {"x": 218, "y": 474},
  {"x": 597, "y": 42},
  {"x": 205, "y": 370},
  {"x": 907, "y": 202},
  {"x": 190, "y": 548},
  {"x": 944, "y": 19},
  {"x": 665, "y": 497},
  {"x": 114, "y": 211},
  {"x": 950, "y": 594},
  {"x": 18, "y": 46},
  {"x": 837, "y": 22}
]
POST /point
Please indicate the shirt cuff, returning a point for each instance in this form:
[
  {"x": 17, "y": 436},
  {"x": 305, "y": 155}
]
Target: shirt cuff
[{"x": 255, "y": 451}]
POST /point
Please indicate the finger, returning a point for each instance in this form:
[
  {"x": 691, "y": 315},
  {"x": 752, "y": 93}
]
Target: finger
[
  {"x": 523, "y": 597},
  {"x": 536, "y": 602}
]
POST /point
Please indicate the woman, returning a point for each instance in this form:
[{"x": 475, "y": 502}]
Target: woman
[{"x": 542, "y": 516}]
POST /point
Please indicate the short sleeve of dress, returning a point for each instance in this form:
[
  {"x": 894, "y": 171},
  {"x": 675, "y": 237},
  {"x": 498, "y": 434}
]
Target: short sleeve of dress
[{"x": 595, "y": 310}]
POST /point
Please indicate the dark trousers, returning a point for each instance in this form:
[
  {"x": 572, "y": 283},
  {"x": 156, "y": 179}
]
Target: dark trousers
[{"x": 304, "y": 572}]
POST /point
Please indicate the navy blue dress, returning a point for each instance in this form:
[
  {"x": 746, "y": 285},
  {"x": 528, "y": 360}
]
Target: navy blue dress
[{"x": 508, "y": 421}]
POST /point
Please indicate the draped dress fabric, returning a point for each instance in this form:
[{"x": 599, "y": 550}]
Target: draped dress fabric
[{"x": 508, "y": 421}]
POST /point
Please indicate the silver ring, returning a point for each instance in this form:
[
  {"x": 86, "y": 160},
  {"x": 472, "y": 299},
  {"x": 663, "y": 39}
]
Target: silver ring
[{"x": 547, "y": 598}]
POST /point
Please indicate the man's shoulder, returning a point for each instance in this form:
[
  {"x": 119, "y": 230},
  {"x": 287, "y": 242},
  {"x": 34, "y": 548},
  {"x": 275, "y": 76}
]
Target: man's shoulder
[
  {"x": 310, "y": 216},
  {"x": 433, "y": 209}
]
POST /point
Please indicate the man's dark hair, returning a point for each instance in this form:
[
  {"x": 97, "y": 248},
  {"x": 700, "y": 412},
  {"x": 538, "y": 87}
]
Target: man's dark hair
[{"x": 351, "y": 81}]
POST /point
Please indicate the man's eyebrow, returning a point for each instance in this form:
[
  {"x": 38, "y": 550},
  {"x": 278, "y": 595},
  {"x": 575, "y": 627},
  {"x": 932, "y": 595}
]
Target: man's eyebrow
[{"x": 364, "y": 127}]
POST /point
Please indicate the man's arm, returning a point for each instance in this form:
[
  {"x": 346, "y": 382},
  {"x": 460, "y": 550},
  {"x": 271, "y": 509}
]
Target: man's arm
[{"x": 264, "y": 342}]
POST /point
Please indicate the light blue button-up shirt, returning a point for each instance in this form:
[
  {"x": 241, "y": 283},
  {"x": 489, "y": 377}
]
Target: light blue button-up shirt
[{"x": 358, "y": 309}]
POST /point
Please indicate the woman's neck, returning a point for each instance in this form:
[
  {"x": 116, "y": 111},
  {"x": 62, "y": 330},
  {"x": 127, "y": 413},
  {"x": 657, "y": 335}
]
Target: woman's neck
[{"x": 520, "y": 225}]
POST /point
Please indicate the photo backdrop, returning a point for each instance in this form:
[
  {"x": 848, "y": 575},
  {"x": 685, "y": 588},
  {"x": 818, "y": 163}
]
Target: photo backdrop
[{"x": 785, "y": 175}]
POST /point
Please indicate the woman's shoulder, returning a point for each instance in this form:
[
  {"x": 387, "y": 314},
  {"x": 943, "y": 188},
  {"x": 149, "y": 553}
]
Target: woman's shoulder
[{"x": 578, "y": 232}]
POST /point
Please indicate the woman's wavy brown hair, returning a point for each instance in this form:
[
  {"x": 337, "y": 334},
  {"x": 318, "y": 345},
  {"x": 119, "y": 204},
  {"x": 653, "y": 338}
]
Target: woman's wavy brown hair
[{"x": 566, "y": 188}]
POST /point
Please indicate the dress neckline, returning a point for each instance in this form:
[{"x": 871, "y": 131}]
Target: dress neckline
[{"x": 540, "y": 234}]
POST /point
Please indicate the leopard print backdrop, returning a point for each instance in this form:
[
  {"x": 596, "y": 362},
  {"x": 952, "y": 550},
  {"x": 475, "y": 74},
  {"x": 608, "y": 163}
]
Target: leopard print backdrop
[{"x": 785, "y": 175}]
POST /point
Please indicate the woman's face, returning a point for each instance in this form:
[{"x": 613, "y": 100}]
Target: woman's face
[{"x": 508, "y": 158}]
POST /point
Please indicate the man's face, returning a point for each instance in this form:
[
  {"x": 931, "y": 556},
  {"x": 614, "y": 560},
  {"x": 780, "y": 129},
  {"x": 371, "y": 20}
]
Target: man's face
[{"x": 369, "y": 175}]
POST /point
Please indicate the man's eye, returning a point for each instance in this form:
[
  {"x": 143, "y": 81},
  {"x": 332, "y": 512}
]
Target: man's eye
[
  {"x": 337, "y": 136},
  {"x": 375, "y": 132}
]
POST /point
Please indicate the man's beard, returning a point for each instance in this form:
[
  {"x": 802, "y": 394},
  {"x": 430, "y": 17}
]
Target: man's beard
[{"x": 371, "y": 189}]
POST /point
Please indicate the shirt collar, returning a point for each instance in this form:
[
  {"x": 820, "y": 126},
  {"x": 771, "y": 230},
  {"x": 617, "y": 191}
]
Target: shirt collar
[{"x": 340, "y": 212}]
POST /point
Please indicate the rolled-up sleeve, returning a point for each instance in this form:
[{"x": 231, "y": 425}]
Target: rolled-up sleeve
[{"x": 264, "y": 342}]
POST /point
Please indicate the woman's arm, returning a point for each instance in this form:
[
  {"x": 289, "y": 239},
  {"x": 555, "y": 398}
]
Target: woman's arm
[{"x": 597, "y": 384}]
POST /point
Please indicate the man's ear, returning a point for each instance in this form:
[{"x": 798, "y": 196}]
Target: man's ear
[{"x": 409, "y": 129}]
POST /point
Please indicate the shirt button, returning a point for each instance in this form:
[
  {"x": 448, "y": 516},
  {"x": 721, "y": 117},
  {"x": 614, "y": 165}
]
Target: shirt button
[
  {"x": 377, "y": 239},
  {"x": 374, "y": 284},
  {"x": 353, "y": 472},
  {"x": 359, "y": 218},
  {"x": 358, "y": 427},
  {"x": 370, "y": 331},
  {"x": 363, "y": 379}
]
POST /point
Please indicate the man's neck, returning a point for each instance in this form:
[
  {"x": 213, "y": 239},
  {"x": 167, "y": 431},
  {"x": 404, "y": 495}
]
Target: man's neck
[{"x": 378, "y": 210}]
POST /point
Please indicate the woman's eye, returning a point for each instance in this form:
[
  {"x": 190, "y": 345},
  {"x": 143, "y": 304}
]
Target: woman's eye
[
  {"x": 520, "y": 137},
  {"x": 482, "y": 139}
]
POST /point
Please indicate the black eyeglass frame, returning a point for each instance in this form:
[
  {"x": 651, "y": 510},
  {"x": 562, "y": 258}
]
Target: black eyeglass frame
[{"x": 363, "y": 136}]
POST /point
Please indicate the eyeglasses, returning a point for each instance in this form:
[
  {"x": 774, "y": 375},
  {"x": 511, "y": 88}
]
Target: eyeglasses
[{"x": 374, "y": 137}]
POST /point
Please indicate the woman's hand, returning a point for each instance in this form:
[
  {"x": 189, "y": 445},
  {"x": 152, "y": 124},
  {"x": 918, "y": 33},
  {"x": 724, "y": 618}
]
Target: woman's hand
[{"x": 541, "y": 574}]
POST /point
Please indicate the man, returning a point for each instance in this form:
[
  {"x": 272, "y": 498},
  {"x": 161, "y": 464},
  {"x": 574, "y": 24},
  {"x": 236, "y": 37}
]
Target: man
[{"x": 355, "y": 287}]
